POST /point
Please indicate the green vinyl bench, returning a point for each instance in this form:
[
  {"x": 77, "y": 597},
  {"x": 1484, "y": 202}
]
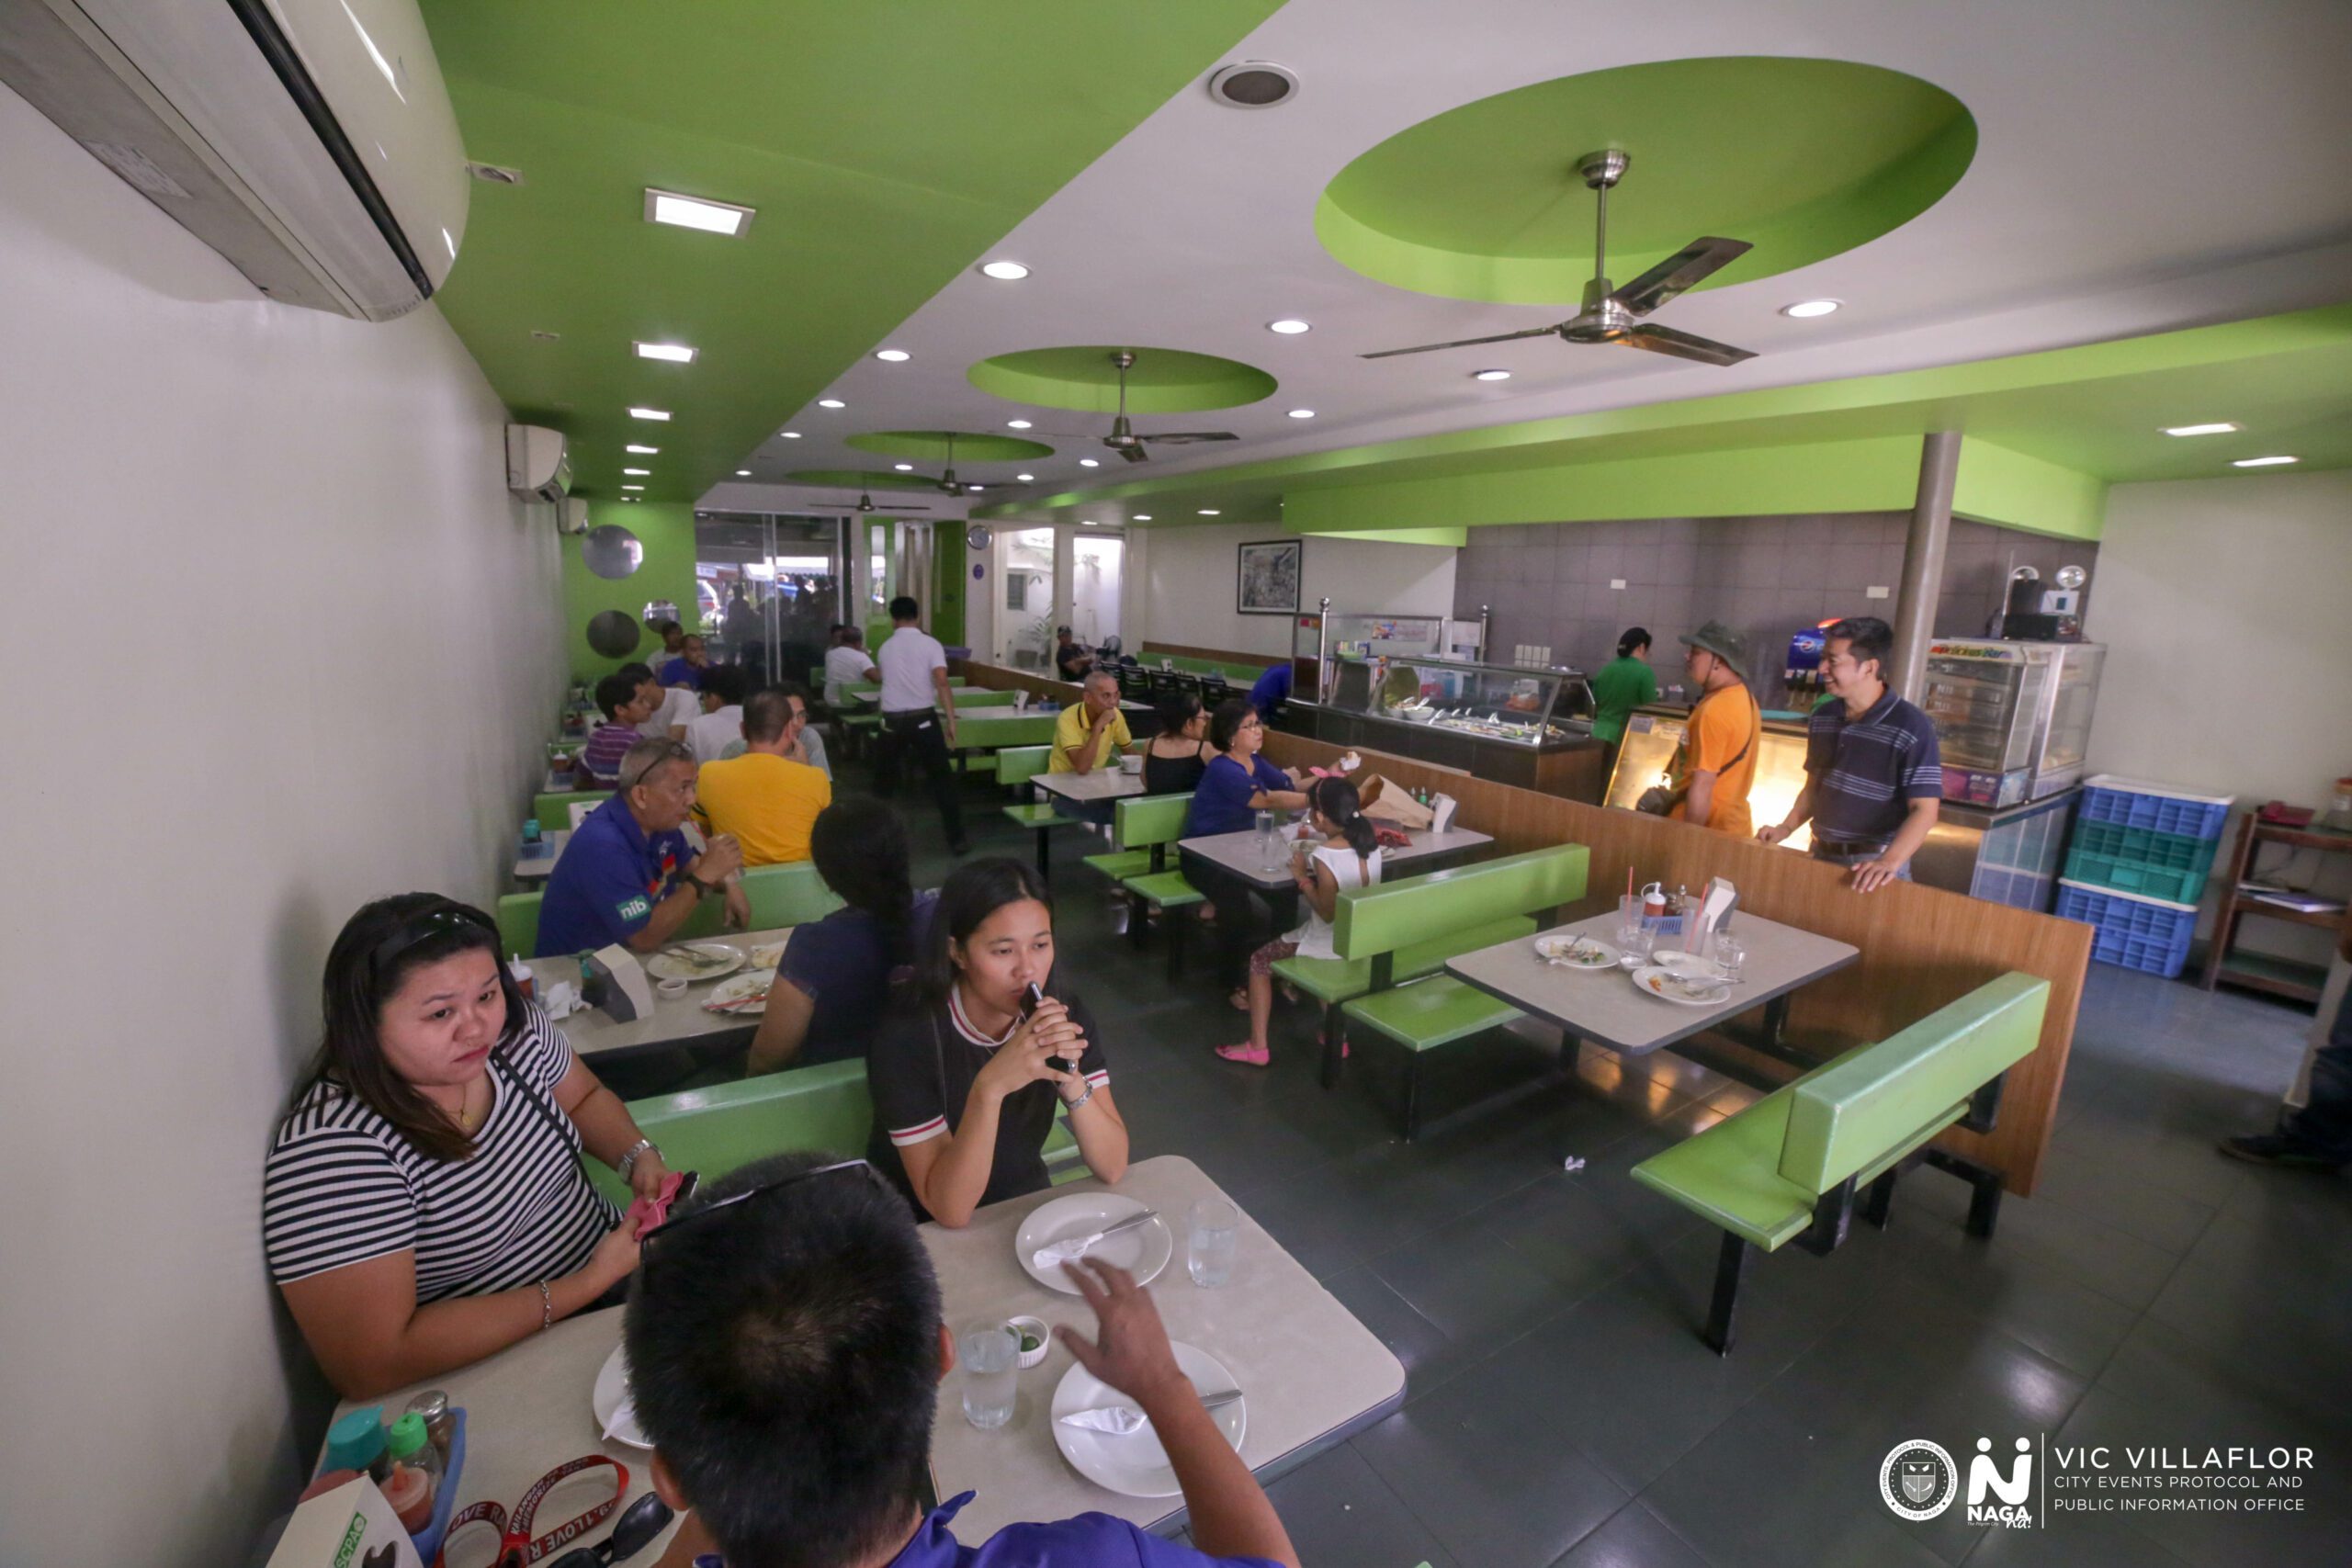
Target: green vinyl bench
[
  {"x": 1786, "y": 1169},
  {"x": 822, "y": 1108},
  {"x": 552, "y": 809},
  {"x": 1150, "y": 824},
  {"x": 1399, "y": 931},
  {"x": 781, "y": 895},
  {"x": 1015, "y": 766}
]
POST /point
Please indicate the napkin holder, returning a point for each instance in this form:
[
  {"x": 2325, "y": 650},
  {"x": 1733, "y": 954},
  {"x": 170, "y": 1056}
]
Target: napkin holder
[
  {"x": 1442, "y": 809},
  {"x": 617, "y": 983},
  {"x": 351, "y": 1524},
  {"x": 1713, "y": 914}
]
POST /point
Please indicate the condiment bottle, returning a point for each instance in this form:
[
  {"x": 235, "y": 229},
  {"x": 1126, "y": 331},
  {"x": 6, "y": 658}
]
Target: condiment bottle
[
  {"x": 413, "y": 1453},
  {"x": 1653, "y": 902},
  {"x": 356, "y": 1442},
  {"x": 440, "y": 1422}
]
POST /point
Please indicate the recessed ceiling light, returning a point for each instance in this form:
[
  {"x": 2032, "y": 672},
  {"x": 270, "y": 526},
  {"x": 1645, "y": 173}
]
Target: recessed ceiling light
[
  {"x": 788, "y": 434},
  {"x": 632, "y": 487},
  {"x": 976, "y": 486},
  {"x": 649, "y": 413},
  {"x": 1027, "y": 478},
  {"x": 830, "y": 404},
  {"x": 693, "y": 212},
  {"x": 892, "y": 355},
  {"x": 1143, "y": 517},
  {"x": 2262, "y": 462},
  {"x": 1088, "y": 522},
  {"x": 1088, "y": 463},
  {"x": 1490, "y": 375},
  {"x": 904, "y": 467},
  {"x": 2199, "y": 429},
  {"x": 675, "y": 353},
  {"x": 637, "y": 471},
  {"x": 641, "y": 451},
  {"x": 1211, "y": 511},
  {"x": 743, "y": 473},
  {"x": 1016, "y": 425},
  {"x": 1005, "y": 271},
  {"x": 1805, "y": 308},
  {"x": 629, "y": 497},
  {"x": 1302, "y": 413},
  {"x": 1287, "y": 325}
]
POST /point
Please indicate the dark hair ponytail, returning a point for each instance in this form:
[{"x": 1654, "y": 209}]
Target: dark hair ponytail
[
  {"x": 1336, "y": 798},
  {"x": 1635, "y": 636},
  {"x": 859, "y": 846}
]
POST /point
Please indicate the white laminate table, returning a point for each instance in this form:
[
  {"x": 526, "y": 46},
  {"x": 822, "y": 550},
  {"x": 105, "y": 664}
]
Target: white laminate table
[
  {"x": 1239, "y": 854},
  {"x": 671, "y": 1022},
  {"x": 538, "y": 867},
  {"x": 1310, "y": 1373},
  {"x": 1604, "y": 1007},
  {"x": 1110, "y": 783}
]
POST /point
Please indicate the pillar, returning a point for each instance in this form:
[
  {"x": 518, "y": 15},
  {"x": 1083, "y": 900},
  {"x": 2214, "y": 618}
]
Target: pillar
[{"x": 1923, "y": 560}]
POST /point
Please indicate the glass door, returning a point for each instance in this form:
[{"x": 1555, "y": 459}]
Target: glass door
[
  {"x": 1096, "y": 563},
  {"x": 1025, "y": 610},
  {"x": 768, "y": 589}
]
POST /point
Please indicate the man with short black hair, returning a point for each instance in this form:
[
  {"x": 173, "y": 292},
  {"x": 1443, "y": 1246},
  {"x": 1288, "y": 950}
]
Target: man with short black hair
[
  {"x": 918, "y": 716},
  {"x": 766, "y": 799},
  {"x": 846, "y": 664},
  {"x": 716, "y": 729},
  {"x": 629, "y": 875},
  {"x": 1072, "y": 661},
  {"x": 687, "y": 669},
  {"x": 1874, "y": 770},
  {"x": 785, "y": 1345},
  {"x": 623, "y": 700},
  {"x": 675, "y": 708}
]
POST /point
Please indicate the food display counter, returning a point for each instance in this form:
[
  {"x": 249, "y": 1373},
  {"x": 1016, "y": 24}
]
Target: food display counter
[{"x": 1517, "y": 724}]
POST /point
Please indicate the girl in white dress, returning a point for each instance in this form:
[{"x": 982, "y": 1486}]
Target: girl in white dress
[{"x": 1349, "y": 856}]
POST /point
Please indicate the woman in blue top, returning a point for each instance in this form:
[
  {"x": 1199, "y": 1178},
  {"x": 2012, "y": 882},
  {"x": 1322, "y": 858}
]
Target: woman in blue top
[
  {"x": 1233, "y": 789},
  {"x": 835, "y": 978}
]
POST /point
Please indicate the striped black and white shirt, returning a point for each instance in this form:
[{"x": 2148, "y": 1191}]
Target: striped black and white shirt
[
  {"x": 343, "y": 1186},
  {"x": 1867, "y": 771}
]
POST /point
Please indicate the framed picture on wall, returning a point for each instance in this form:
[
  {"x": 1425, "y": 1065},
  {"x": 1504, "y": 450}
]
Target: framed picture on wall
[{"x": 1265, "y": 580}]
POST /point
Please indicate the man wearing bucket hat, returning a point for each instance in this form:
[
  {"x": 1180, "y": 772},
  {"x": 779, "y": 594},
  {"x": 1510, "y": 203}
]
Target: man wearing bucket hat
[{"x": 1719, "y": 752}]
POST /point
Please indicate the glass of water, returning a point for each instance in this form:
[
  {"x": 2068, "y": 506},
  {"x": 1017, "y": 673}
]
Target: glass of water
[
  {"x": 1730, "y": 953},
  {"x": 990, "y": 1354},
  {"x": 1212, "y": 1237},
  {"x": 1269, "y": 843},
  {"x": 1632, "y": 935}
]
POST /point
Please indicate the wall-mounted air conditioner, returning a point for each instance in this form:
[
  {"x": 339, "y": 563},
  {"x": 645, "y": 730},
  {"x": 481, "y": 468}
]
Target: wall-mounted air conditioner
[
  {"x": 309, "y": 142},
  {"x": 538, "y": 463}
]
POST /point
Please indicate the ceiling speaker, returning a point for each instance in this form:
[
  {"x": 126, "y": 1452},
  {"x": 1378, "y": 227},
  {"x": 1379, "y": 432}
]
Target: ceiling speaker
[{"x": 1254, "y": 84}]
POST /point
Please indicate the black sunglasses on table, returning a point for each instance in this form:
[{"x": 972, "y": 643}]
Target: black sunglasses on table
[{"x": 632, "y": 1533}]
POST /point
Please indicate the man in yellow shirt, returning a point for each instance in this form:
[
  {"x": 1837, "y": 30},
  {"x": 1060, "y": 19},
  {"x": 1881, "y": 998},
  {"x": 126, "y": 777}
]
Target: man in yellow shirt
[
  {"x": 765, "y": 798},
  {"x": 1093, "y": 733},
  {"x": 1719, "y": 752}
]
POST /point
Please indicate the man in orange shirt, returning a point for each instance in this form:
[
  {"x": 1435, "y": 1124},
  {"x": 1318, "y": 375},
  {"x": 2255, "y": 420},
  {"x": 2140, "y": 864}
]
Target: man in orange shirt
[
  {"x": 766, "y": 799},
  {"x": 1719, "y": 752}
]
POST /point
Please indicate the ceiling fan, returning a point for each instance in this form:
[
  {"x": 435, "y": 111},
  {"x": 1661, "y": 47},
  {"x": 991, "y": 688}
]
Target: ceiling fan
[
  {"x": 1612, "y": 314},
  {"x": 865, "y": 503},
  {"x": 1123, "y": 438}
]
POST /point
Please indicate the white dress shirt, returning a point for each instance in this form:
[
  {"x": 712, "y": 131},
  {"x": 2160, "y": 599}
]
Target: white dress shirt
[
  {"x": 906, "y": 660},
  {"x": 844, "y": 666}
]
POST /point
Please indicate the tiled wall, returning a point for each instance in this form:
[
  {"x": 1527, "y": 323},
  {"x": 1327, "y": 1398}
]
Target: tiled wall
[{"x": 1549, "y": 584}]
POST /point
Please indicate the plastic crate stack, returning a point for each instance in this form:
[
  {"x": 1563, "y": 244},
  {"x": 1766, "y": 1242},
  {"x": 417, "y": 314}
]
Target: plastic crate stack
[{"x": 2136, "y": 869}]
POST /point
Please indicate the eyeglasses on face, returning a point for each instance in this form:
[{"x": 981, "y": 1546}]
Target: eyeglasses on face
[{"x": 672, "y": 751}]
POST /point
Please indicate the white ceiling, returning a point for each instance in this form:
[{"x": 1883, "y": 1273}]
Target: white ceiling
[{"x": 2140, "y": 168}]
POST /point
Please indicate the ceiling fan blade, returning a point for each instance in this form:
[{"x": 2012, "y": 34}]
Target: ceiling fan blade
[
  {"x": 1191, "y": 435},
  {"x": 1684, "y": 346},
  {"x": 1462, "y": 343},
  {"x": 1685, "y": 268},
  {"x": 1132, "y": 450}
]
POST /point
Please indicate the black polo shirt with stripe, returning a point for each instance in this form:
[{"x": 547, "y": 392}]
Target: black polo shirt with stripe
[{"x": 1865, "y": 772}]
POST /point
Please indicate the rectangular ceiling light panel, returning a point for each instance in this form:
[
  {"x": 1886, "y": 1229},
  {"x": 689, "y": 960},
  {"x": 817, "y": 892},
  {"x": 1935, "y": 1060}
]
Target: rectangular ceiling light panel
[
  {"x": 675, "y": 353},
  {"x": 693, "y": 212}
]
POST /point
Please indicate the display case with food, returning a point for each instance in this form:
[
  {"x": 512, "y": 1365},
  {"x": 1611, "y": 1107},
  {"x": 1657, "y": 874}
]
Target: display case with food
[{"x": 1516, "y": 724}]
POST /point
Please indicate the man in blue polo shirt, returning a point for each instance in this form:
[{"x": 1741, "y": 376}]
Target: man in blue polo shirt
[
  {"x": 1271, "y": 691},
  {"x": 629, "y": 875},
  {"x": 1873, "y": 773},
  {"x": 786, "y": 1346}
]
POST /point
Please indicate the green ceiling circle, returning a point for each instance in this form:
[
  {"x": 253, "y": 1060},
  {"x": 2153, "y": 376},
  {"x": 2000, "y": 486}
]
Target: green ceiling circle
[
  {"x": 931, "y": 445},
  {"x": 861, "y": 479},
  {"x": 1162, "y": 381},
  {"x": 1804, "y": 159}
]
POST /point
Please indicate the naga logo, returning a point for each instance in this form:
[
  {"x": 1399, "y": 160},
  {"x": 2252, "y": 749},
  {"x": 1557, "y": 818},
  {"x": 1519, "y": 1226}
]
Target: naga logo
[{"x": 2008, "y": 1493}]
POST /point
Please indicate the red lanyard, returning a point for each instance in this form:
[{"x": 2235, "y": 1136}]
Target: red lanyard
[{"x": 515, "y": 1547}]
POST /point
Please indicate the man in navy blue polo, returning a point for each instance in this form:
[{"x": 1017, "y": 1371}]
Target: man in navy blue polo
[
  {"x": 629, "y": 875},
  {"x": 1873, "y": 773},
  {"x": 1272, "y": 690},
  {"x": 786, "y": 1348}
]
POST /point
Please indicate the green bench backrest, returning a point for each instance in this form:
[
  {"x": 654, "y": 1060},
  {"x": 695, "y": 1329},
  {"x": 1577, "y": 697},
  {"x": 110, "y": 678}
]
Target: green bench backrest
[
  {"x": 717, "y": 1129},
  {"x": 1147, "y": 819},
  {"x": 553, "y": 811},
  {"x": 1018, "y": 764},
  {"x": 968, "y": 699},
  {"x": 518, "y": 923},
  {"x": 815, "y": 677},
  {"x": 1844, "y": 1116},
  {"x": 780, "y": 895},
  {"x": 1019, "y": 729},
  {"x": 1373, "y": 921}
]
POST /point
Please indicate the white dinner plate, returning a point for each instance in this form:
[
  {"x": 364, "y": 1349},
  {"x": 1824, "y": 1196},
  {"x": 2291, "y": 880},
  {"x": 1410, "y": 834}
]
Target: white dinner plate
[
  {"x": 1557, "y": 949},
  {"x": 694, "y": 960},
  {"x": 1667, "y": 986},
  {"x": 750, "y": 983},
  {"x": 1137, "y": 1465},
  {"x": 609, "y": 1399},
  {"x": 1143, "y": 1251},
  {"x": 768, "y": 954},
  {"x": 1685, "y": 962}
]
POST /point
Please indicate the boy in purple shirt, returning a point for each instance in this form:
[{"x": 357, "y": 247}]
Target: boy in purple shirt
[
  {"x": 786, "y": 1350},
  {"x": 624, "y": 707}
]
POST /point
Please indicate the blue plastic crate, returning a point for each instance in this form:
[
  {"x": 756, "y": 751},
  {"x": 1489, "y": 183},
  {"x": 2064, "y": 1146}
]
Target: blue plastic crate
[
  {"x": 2146, "y": 934},
  {"x": 2135, "y": 803}
]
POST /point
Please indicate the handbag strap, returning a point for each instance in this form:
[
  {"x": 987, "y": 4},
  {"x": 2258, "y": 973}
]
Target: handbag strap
[{"x": 546, "y": 1118}]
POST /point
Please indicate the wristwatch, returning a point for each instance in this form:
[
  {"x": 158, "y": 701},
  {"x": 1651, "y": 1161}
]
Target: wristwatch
[
  {"x": 628, "y": 1162},
  {"x": 705, "y": 889}
]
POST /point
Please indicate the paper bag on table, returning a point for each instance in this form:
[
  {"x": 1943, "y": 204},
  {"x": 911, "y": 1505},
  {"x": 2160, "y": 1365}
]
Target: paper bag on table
[
  {"x": 344, "y": 1529},
  {"x": 1383, "y": 802}
]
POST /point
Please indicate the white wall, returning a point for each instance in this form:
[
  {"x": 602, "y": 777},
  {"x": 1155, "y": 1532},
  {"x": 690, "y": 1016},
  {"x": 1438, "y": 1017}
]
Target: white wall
[
  {"x": 2227, "y": 608},
  {"x": 1191, "y": 573},
  {"x": 281, "y": 645}
]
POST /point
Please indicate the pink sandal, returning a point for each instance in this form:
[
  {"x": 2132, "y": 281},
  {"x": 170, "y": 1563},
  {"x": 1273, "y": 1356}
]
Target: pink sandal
[
  {"x": 1343, "y": 1045},
  {"x": 1249, "y": 1055}
]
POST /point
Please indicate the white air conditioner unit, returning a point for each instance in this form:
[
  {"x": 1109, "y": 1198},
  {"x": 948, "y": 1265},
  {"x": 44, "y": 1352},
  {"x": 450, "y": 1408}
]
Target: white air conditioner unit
[
  {"x": 309, "y": 142},
  {"x": 538, "y": 463},
  {"x": 571, "y": 515}
]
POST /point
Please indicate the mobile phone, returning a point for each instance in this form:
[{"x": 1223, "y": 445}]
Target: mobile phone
[{"x": 1030, "y": 997}]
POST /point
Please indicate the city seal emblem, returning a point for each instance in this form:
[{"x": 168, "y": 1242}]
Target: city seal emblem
[{"x": 1918, "y": 1479}]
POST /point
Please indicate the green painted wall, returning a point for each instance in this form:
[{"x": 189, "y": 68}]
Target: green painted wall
[
  {"x": 667, "y": 532},
  {"x": 948, "y": 582},
  {"x": 2018, "y": 491}
]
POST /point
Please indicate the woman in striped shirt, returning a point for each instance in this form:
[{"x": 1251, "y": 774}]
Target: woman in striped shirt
[{"x": 424, "y": 1204}]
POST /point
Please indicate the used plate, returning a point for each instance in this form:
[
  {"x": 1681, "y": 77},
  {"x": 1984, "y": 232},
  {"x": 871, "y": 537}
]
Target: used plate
[
  {"x": 1667, "y": 986},
  {"x": 768, "y": 954},
  {"x": 1684, "y": 963},
  {"x": 1576, "y": 952},
  {"x": 745, "y": 996},
  {"x": 694, "y": 960},
  {"x": 1137, "y": 1465},
  {"x": 1143, "y": 1251},
  {"x": 615, "y": 1414}
]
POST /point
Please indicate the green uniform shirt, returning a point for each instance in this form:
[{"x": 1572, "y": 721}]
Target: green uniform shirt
[{"x": 1618, "y": 688}]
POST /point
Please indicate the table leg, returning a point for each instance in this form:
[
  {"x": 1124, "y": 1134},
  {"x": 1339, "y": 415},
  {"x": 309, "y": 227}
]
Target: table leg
[{"x": 1776, "y": 1023}]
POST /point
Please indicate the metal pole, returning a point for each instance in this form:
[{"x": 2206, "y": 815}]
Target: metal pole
[{"x": 1923, "y": 560}]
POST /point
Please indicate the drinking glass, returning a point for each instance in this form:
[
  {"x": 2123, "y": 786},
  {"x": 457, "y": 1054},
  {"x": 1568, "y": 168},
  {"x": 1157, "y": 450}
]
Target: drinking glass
[
  {"x": 1211, "y": 1235},
  {"x": 1730, "y": 953},
  {"x": 1270, "y": 846},
  {"x": 1632, "y": 935},
  {"x": 990, "y": 1354}
]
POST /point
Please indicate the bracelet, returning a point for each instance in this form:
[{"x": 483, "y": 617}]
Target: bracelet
[
  {"x": 1081, "y": 1099},
  {"x": 547, "y": 1307},
  {"x": 628, "y": 1162}
]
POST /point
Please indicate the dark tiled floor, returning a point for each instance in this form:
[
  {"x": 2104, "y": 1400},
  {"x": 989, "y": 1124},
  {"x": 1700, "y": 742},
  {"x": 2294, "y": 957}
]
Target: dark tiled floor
[{"x": 1560, "y": 1409}]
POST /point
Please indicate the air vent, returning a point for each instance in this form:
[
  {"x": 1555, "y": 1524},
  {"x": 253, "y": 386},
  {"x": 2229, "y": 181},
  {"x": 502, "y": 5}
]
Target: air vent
[
  {"x": 494, "y": 173},
  {"x": 1254, "y": 84}
]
